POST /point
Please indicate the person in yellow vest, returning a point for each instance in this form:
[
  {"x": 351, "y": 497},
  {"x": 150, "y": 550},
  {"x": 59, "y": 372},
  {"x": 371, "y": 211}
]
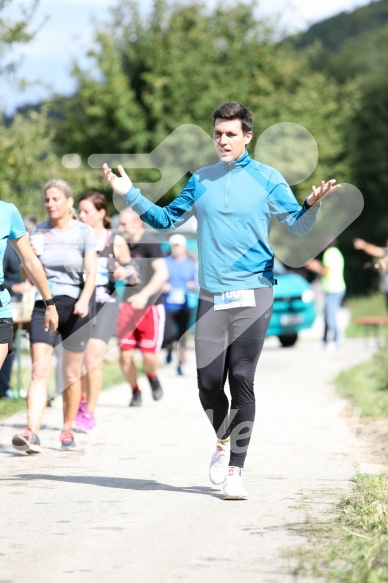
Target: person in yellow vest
[{"x": 332, "y": 271}]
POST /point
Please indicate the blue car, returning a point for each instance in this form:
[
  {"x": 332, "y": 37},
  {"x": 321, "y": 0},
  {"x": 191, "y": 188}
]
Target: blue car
[{"x": 294, "y": 305}]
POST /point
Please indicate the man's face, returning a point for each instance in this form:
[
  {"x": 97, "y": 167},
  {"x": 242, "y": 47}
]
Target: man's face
[
  {"x": 129, "y": 225},
  {"x": 178, "y": 251},
  {"x": 229, "y": 140}
]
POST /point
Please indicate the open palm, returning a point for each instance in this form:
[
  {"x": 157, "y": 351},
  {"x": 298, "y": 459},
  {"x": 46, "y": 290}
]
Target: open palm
[
  {"x": 322, "y": 190},
  {"x": 120, "y": 184}
]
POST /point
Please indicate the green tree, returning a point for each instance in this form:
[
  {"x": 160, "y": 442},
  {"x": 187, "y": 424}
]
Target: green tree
[
  {"x": 28, "y": 157},
  {"x": 367, "y": 144},
  {"x": 13, "y": 32},
  {"x": 354, "y": 46},
  {"x": 28, "y": 161},
  {"x": 368, "y": 147},
  {"x": 350, "y": 44},
  {"x": 149, "y": 75}
]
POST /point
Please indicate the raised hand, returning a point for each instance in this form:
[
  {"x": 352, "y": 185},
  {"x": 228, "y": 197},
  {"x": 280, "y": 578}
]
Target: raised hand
[
  {"x": 120, "y": 184},
  {"x": 322, "y": 190}
]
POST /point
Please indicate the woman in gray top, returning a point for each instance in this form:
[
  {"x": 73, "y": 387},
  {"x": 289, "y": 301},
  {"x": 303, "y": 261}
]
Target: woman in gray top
[{"x": 66, "y": 249}]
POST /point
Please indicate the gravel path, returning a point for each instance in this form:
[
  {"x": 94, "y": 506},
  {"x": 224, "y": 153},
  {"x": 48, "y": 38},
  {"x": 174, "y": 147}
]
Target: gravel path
[{"x": 135, "y": 504}]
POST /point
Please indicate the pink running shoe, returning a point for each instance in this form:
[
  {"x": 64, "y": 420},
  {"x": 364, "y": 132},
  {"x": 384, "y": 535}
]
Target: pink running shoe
[
  {"x": 27, "y": 441},
  {"x": 83, "y": 405},
  {"x": 85, "y": 423},
  {"x": 81, "y": 410},
  {"x": 67, "y": 440}
]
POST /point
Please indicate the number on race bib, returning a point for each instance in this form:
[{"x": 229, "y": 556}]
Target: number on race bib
[{"x": 240, "y": 298}]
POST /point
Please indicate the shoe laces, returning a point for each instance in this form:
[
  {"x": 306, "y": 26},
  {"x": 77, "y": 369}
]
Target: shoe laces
[
  {"x": 28, "y": 434},
  {"x": 219, "y": 456},
  {"x": 82, "y": 407},
  {"x": 67, "y": 435}
]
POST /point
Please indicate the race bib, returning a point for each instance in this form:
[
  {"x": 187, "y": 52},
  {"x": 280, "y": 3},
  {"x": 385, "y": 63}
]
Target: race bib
[
  {"x": 176, "y": 296},
  {"x": 240, "y": 298}
]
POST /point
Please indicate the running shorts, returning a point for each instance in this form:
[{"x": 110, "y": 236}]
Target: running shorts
[
  {"x": 6, "y": 333},
  {"x": 73, "y": 329},
  {"x": 141, "y": 329}
]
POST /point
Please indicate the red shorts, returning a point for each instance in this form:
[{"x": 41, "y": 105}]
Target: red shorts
[{"x": 141, "y": 329}]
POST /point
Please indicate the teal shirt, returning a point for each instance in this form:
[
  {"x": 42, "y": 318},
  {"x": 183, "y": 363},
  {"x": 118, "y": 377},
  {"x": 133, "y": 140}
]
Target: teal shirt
[
  {"x": 11, "y": 227},
  {"x": 234, "y": 203}
]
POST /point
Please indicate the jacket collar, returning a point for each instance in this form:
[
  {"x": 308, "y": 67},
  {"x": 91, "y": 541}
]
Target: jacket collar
[{"x": 242, "y": 161}]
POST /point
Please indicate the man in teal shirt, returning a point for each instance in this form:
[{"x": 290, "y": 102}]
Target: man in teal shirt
[{"x": 233, "y": 201}]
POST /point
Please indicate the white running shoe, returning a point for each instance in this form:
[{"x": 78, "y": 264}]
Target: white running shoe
[
  {"x": 219, "y": 463},
  {"x": 234, "y": 487}
]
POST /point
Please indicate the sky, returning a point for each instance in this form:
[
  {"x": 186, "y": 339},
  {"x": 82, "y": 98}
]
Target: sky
[{"x": 67, "y": 32}]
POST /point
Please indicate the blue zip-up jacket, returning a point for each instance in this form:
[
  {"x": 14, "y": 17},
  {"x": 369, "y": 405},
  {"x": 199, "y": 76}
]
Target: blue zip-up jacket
[{"x": 233, "y": 203}]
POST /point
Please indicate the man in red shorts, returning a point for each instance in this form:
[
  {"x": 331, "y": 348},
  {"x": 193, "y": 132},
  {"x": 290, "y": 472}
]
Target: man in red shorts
[{"x": 141, "y": 317}]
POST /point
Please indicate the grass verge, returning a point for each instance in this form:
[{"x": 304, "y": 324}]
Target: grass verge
[
  {"x": 353, "y": 547},
  {"x": 10, "y": 407},
  {"x": 373, "y": 305},
  {"x": 366, "y": 385}
]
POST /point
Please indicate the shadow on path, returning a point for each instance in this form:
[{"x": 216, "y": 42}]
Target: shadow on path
[{"x": 122, "y": 483}]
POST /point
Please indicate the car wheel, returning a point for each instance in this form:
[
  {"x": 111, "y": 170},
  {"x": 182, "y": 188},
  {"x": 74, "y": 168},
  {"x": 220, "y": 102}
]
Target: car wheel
[{"x": 288, "y": 339}]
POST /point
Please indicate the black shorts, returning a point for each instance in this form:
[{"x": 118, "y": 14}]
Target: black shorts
[
  {"x": 177, "y": 323},
  {"x": 72, "y": 329},
  {"x": 6, "y": 333},
  {"x": 104, "y": 321}
]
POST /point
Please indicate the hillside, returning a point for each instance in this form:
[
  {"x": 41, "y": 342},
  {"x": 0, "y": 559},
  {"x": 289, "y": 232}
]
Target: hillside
[
  {"x": 353, "y": 43},
  {"x": 334, "y": 32}
]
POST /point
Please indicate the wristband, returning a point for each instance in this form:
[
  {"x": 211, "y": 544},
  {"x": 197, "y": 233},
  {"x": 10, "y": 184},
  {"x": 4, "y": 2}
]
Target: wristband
[
  {"x": 49, "y": 302},
  {"x": 133, "y": 263}
]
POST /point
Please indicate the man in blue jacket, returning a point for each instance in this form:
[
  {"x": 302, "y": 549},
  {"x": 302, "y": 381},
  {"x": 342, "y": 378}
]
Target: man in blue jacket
[{"x": 233, "y": 201}]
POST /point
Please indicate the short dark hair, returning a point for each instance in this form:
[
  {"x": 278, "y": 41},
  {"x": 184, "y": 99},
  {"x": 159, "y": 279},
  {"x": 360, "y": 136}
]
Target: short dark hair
[{"x": 235, "y": 110}]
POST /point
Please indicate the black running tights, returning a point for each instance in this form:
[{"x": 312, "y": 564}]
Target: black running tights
[{"x": 228, "y": 343}]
